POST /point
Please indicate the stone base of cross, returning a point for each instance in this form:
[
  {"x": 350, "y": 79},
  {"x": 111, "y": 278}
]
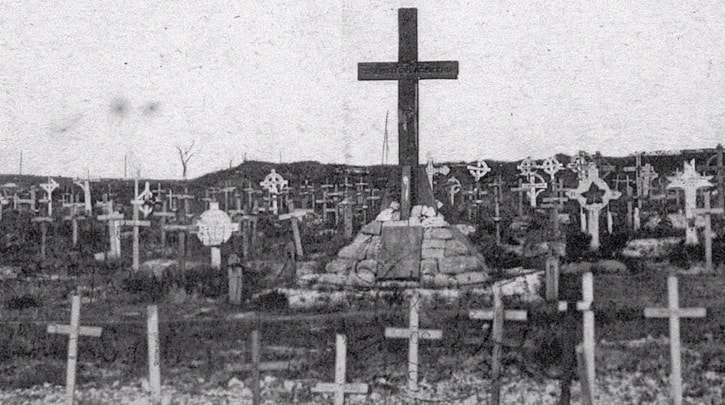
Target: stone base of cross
[
  {"x": 413, "y": 333},
  {"x": 339, "y": 388}
]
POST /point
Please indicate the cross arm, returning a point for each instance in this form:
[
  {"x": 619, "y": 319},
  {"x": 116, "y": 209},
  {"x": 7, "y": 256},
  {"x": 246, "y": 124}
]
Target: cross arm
[
  {"x": 348, "y": 388},
  {"x": 678, "y": 312},
  {"x": 93, "y": 331},
  {"x": 407, "y": 70},
  {"x": 405, "y": 333},
  {"x": 508, "y": 314}
]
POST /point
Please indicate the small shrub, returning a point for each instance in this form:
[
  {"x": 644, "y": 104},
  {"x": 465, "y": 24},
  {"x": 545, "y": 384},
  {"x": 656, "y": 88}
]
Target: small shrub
[{"x": 577, "y": 247}]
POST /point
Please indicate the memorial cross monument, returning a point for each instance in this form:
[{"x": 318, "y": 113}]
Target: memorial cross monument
[{"x": 408, "y": 71}]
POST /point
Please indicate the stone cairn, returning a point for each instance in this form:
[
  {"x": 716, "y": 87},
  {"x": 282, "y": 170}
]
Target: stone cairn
[{"x": 447, "y": 258}]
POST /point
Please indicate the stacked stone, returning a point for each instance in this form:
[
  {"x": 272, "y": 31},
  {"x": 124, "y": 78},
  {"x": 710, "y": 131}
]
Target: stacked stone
[{"x": 448, "y": 259}]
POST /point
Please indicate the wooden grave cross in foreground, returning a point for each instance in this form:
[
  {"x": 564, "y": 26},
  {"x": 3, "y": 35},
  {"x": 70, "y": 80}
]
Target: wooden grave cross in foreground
[
  {"x": 413, "y": 333},
  {"x": 74, "y": 330},
  {"x": 152, "y": 332},
  {"x": 673, "y": 312},
  {"x": 340, "y": 387},
  {"x": 408, "y": 71},
  {"x": 497, "y": 315}
]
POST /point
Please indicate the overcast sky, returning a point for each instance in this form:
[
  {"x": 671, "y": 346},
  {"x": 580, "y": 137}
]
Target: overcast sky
[{"x": 83, "y": 83}]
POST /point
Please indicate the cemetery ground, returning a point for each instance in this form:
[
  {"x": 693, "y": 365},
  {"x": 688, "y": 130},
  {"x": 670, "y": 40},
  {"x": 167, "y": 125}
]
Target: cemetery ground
[{"x": 204, "y": 340}]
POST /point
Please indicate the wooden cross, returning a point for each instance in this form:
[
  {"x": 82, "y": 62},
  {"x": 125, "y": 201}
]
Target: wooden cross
[
  {"x": 408, "y": 71},
  {"x": 707, "y": 233},
  {"x": 294, "y": 216},
  {"x": 49, "y": 187},
  {"x": 163, "y": 215},
  {"x": 719, "y": 170},
  {"x": 605, "y": 169},
  {"x": 533, "y": 187},
  {"x": 115, "y": 219},
  {"x": 674, "y": 313},
  {"x": 497, "y": 315},
  {"x": 74, "y": 330},
  {"x": 43, "y": 233},
  {"x": 226, "y": 190},
  {"x": 340, "y": 387},
  {"x": 593, "y": 194},
  {"x": 690, "y": 181},
  {"x": 74, "y": 217},
  {"x": 497, "y": 196},
  {"x": 273, "y": 183},
  {"x": 186, "y": 197},
  {"x": 431, "y": 171},
  {"x": 413, "y": 333},
  {"x": 454, "y": 187},
  {"x": 136, "y": 223},
  {"x": 182, "y": 230},
  {"x": 588, "y": 342}
]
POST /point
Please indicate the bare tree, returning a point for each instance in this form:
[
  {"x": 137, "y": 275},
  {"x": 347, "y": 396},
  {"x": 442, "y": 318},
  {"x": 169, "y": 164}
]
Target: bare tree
[{"x": 185, "y": 154}]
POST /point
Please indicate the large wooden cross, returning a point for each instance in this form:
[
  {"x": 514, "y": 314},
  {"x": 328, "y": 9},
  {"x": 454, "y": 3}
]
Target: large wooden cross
[
  {"x": 340, "y": 387},
  {"x": 408, "y": 71}
]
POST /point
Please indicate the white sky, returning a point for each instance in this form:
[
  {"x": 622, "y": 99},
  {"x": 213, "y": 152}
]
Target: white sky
[{"x": 280, "y": 77}]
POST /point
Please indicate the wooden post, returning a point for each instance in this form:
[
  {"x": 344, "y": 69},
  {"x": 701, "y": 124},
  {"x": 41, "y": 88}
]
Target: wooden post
[
  {"x": 256, "y": 394},
  {"x": 413, "y": 333},
  {"x": 43, "y": 234},
  {"x": 74, "y": 330},
  {"x": 234, "y": 272},
  {"x": 498, "y": 315},
  {"x": 152, "y": 325},
  {"x": 569, "y": 338},
  {"x": 163, "y": 215},
  {"x": 674, "y": 313},
  {"x": 347, "y": 218},
  {"x": 340, "y": 387},
  {"x": 588, "y": 338},
  {"x": 707, "y": 233},
  {"x": 294, "y": 215},
  {"x": 584, "y": 382},
  {"x": 552, "y": 277}
]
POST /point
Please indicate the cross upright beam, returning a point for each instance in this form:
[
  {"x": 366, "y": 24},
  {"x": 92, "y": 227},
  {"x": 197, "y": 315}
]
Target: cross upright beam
[{"x": 407, "y": 71}]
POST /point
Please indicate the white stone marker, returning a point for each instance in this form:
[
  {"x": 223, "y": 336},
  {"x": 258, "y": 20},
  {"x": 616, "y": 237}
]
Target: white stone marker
[
  {"x": 413, "y": 333},
  {"x": 533, "y": 187},
  {"x": 115, "y": 219},
  {"x": 498, "y": 315},
  {"x": 73, "y": 331},
  {"x": 593, "y": 194},
  {"x": 690, "y": 181},
  {"x": 479, "y": 170},
  {"x": 214, "y": 228},
  {"x": 674, "y": 313},
  {"x": 340, "y": 387},
  {"x": 274, "y": 183},
  {"x": 152, "y": 327}
]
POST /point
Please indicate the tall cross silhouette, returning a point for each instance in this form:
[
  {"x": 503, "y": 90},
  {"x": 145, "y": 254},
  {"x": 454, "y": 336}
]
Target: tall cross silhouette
[{"x": 408, "y": 71}]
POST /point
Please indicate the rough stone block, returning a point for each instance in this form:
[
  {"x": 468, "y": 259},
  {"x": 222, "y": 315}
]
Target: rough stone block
[
  {"x": 372, "y": 251},
  {"x": 458, "y": 264},
  {"x": 341, "y": 266},
  {"x": 373, "y": 228},
  {"x": 432, "y": 253},
  {"x": 355, "y": 250},
  {"x": 434, "y": 244},
  {"x": 416, "y": 211},
  {"x": 455, "y": 247},
  {"x": 369, "y": 266},
  {"x": 429, "y": 266},
  {"x": 414, "y": 221},
  {"x": 395, "y": 223},
  {"x": 364, "y": 276},
  {"x": 439, "y": 233}
]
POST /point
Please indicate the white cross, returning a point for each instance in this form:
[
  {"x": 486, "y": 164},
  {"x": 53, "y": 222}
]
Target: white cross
[
  {"x": 526, "y": 166},
  {"x": 690, "y": 181},
  {"x": 551, "y": 166},
  {"x": 340, "y": 387},
  {"x": 593, "y": 184},
  {"x": 74, "y": 330},
  {"x": 479, "y": 170},
  {"x": 414, "y": 334},
  {"x": 454, "y": 187},
  {"x": 580, "y": 164},
  {"x": 274, "y": 183},
  {"x": 533, "y": 187},
  {"x": 674, "y": 313},
  {"x": 49, "y": 187}
]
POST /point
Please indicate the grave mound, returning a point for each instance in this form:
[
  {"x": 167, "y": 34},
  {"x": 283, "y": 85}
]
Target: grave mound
[{"x": 424, "y": 251}]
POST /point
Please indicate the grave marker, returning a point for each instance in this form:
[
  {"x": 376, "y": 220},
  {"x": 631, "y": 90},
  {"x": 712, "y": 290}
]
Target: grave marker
[
  {"x": 152, "y": 329},
  {"x": 689, "y": 180},
  {"x": 707, "y": 233},
  {"x": 49, "y": 187},
  {"x": 340, "y": 387},
  {"x": 74, "y": 330},
  {"x": 214, "y": 228},
  {"x": 74, "y": 216},
  {"x": 85, "y": 185},
  {"x": 674, "y": 313},
  {"x": 413, "y": 333},
  {"x": 593, "y": 194},
  {"x": 408, "y": 71},
  {"x": 114, "y": 219},
  {"x": 588, "y": 342},
  {"x": 431, "y": 171},
  {"x": 719, "y": 170},
  {"x": 497, "y": 195},
  {"x": 294, "y": 215},
  {"x": 497, "y": 315},
  {"x": 43, "y": 233},
  {"x": 454, "y": 187},
  {"x": 274, "y": 183},
  {"x": 139, "y": 200},
  {"x": 163, "y": 215}
]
